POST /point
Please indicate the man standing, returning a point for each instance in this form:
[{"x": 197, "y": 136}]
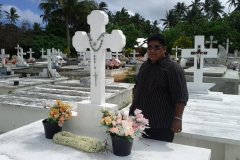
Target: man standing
[{"x": 160, "y": 92}]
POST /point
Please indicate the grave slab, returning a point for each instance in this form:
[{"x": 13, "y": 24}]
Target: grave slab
[{"x": 20, "y": 144}]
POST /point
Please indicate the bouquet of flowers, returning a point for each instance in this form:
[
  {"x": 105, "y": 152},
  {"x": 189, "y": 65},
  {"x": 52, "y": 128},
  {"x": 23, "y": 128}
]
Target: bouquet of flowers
[
  {"x": 59, "y": 113},
  {"x": 121, "y": 124}
]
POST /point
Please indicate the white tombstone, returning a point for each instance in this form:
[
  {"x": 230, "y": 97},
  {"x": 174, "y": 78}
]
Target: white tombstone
[
  {"x": 236, "y": 53},
  {"x": 30, "y": 53},
  {"x": 227, "y": 45},
  {"x": 20, "y": 60},
  {"x": 199, "y": 52},
  {"x": 49, "y": 72},
  {"x": 18, "y": 49},
  {"x": 176, "y": 49},
  {"x": 116, "y": 54},
  {"x": 134, "y": 53},
  {"x": 42, "y": 51},
  {"x": 89, "y": 112},
  {"x": 3, "y": 57},
  {"x": 211, "y": 42}
]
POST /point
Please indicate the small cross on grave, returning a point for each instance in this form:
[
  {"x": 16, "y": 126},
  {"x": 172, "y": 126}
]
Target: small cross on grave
[
  {"x": 3, "y": 57},
  {"x": 116, "y": 54},
  {"x": 108, "y": 55},
  {"x": 42, "y": 51},
  {"x": 49, "y": 58},
  {"x": 18, "y": 49},
  {"x": 134, "y": 53},
  {"x": 30, "y": 53},
  {"x": 21, "y": 54},
  {"x": 199, "y": 52},
  {"x": 98, "y": 41},
  {"x": 176, "y": 49},
  {"x": 227, "y": 45},
  {"x": 211, "y": 41}
]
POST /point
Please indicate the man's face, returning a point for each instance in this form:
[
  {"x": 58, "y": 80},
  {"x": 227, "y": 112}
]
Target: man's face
[{"x": 155, "y": 51}]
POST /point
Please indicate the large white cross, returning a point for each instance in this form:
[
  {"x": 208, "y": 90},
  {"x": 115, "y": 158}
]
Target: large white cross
[
  {"x": 4, "y": 56},
  {"x": 211, "y": 41},
  {"x": 199, "y": 52},
  {"x": 98, "y": 42},
  {"x": 30, "y": 53},
  {"x": 176, "y": 49},
  {"x": 134, "y": 53}
]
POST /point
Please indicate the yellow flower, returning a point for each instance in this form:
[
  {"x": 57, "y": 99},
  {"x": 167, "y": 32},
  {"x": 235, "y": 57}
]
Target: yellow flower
[{"x": 108, "y": 120}]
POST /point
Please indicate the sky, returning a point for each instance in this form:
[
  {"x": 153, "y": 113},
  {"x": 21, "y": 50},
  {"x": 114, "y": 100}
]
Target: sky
[{"x": 148, "y": 9}]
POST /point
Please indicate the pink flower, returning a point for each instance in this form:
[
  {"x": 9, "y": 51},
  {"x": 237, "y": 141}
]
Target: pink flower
[{"x": 137, "y": 111}]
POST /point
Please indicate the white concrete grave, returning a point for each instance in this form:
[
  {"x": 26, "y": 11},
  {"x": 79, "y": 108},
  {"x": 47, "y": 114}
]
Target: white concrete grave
[
  {"x": 134, "y": 53},
  {"x": 97, "y": 41},
  {"x": 28, "y": 142},
  {"x": 176, "y": 49},
  {"x": 199, "y": 52},
  {"x": 3, "y": 57},
  {"x": 211, "y": 41}
]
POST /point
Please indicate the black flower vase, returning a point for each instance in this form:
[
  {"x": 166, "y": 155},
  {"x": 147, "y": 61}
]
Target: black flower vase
[
  {"x": 50, "y": 128},
  {"x": 121, "y": 146}
]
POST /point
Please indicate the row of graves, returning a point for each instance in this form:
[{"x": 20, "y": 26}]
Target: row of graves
[
  {"x": 89, "y": 100},
  {"x": 211, "y": 125}
]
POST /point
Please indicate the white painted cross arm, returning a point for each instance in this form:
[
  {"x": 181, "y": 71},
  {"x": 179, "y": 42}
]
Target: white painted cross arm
[
  {"x": 80, "y": 41},
  {"x": 115, "y": 41}
]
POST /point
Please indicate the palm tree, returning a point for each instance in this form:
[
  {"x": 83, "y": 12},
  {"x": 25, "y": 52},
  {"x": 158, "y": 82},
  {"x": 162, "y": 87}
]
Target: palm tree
[
  {"x": 12, "y": 15},
  {"x": 180, "y": 10},
  {"x": 170, "y": 21},
  {"x": 213, "y": 9},
  {"x": 235, "y": 3},
  {"x": 66, "y": 10},
  {"x": 103, "y": 6}
]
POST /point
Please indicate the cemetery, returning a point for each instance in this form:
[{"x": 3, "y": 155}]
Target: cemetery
[{"x": 90, "y": 77}]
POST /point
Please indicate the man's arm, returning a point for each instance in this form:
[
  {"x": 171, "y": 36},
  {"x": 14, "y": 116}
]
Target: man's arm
[{"x": 177, "y": 120}]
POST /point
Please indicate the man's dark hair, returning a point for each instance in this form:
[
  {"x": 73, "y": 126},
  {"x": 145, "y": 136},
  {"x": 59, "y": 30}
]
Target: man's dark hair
[{"x": 157, "y": 37}]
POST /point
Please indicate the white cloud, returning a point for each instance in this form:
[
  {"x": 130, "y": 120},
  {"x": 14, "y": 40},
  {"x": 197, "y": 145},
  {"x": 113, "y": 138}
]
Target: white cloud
[{"x": 24, "y": 14}]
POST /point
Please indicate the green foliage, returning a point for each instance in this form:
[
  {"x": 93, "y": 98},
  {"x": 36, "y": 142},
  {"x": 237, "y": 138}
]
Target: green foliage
[
  {"x": 183, "y": 42},
  {"x": 128, "y": 51}
]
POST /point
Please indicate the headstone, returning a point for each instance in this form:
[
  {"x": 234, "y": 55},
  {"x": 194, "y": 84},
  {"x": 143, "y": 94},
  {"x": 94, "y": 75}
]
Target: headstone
[
  {"x": 20, "y": 60},
  {"x": 97, "y": 41},
  {"x": 211, "y": 42},
  {"x": 227, "y": 45},
  {"x": 109, "y": 55},
  {"x": 3, "y": 57},
  {"x": 18, "y": 49},
  {"x": 82, "y": 58},
  {"x": 235, "y": 53},
  {"x": 134, "y": 53},
  {"x": 176, "y": 49},
  {"x": 199, "y": 52},
  {"x": 30, "y": 53},
  {"x": 42, "y": 51},
  {"x": 49, "y": 72}
]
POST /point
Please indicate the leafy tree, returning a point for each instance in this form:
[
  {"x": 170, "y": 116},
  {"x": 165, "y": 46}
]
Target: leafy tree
[
  {"x": 213, "y": 9},
  {"x": 12, "y": 15},
  {"x": 235, "y": 3},
  {"x": 180, "y": 10}
]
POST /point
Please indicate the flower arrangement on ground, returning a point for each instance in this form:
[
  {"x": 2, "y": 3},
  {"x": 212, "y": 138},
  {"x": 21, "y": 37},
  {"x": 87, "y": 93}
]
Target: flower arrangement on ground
[
  {"x": 121, "y": 124},
  {"x": 59, "y": 113}
]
